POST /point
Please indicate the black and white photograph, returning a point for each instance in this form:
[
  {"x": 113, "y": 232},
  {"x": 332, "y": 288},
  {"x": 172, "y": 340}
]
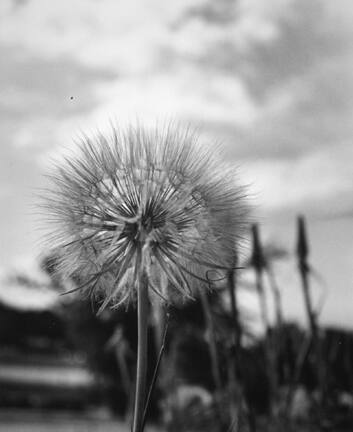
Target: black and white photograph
[{"x": 176, "y": 216}]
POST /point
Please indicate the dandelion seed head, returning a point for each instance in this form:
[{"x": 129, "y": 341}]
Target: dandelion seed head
[{"x": 153, "y": 201}]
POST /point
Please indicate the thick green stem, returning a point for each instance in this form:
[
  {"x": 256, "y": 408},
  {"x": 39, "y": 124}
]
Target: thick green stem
[{"x": 142, "y": 340}]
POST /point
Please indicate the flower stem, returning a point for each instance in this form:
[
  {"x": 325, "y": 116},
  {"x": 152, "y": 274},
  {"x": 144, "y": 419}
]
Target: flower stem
[
  {"x": 212, "y": 344},
  {"x": 142, "y": 339}
]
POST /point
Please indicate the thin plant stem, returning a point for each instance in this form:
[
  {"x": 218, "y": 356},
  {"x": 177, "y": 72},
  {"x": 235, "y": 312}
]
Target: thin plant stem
[
  {"x": 269, "y": 351},
  {"x": 231, "y": 285},
  {"x": 262, "y": 299},
  {"x": 212, "y": 339},
  {"x": 276, "y": 295},
  {"x": 235, "y": 379},
  {"x": 142, "y": 342},
  {"x": 258, "y": 263},
  {"x": 212, "y": 344},
  {"x": 304, "y": 270},
  {"x": 235, "y": 390},
  {"x": 159, "y": 324},
  {"x": 160, "y": 315},
  {"x": 157, "y": 368}
]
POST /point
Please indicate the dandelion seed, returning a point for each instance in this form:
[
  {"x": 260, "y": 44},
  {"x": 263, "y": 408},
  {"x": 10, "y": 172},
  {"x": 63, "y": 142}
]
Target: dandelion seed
[{"x": 157, "y": 193}]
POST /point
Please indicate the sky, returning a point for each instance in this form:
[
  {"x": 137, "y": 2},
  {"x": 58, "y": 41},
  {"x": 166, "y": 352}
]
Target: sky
[{"x": 269, "y": 80}]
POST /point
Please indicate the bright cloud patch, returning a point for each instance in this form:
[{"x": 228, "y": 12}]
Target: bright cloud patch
[
  {"x": 314, "y": 180},
  {"x": 111, "y": 33}
]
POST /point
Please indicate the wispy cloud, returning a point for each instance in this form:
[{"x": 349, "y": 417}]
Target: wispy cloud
[
  {"x": 109, "y": 34},
  {"x": 318, "y": 182},
  {"x": 271, "y": 79}
]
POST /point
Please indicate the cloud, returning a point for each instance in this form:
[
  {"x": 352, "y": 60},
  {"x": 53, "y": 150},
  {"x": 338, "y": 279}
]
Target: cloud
[
  {"x": 300, "y": 81},
  {"x": 271, "y": 80},
  {"x": 249, "y": 71},
  {"x": 184, "y": 95},
  {"x": 243, "y": 23},
  {"x": 112, "y": 33},
  {"x": 41, "y": 105},
  {"x": 127, "y": 37},
  {"x": 279, "y": 108},
  {"x": 319, "y": 182}
]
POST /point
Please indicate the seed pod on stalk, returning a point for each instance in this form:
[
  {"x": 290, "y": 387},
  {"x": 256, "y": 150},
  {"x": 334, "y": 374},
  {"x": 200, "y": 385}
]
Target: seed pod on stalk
[{"x": 134, "y": 209}]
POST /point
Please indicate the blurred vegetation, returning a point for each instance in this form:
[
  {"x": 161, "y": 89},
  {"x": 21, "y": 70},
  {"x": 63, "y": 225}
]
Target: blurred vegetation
[{"x": 288, "y": 378}]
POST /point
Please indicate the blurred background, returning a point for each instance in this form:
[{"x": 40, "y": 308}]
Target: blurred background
[{"x": 269, "y": 80}]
